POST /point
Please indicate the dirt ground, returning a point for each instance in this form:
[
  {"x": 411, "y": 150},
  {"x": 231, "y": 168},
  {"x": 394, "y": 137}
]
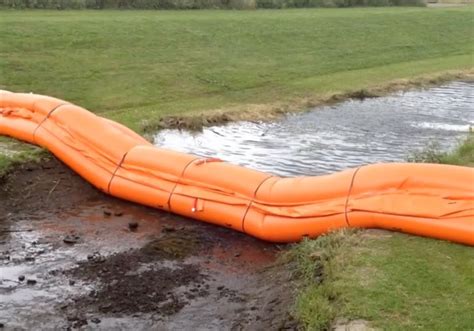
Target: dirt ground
[{"x": 74, "y": 258}]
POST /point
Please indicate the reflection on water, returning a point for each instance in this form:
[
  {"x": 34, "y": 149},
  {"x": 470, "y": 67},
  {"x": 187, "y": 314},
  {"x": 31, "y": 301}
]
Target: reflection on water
[{"x": 336, "y": 137}]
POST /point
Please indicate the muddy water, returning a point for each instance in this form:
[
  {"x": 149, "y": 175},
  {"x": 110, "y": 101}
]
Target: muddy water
[
  {"x": 228, "y": 270},
  {"x": 336, "y": 137},
  {"x": 70, "y": 259},
  {"x": 170, "y": 273}
]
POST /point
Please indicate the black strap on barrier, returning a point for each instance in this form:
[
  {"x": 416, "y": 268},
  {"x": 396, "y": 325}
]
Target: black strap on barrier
[
  {"x": 349, "y": 194},
  {"x": 252, "y": 200},
  {"x": 116, "y": 169},
  {"x": 46, "y": 117},
  {"x": 168, "y": 203}
]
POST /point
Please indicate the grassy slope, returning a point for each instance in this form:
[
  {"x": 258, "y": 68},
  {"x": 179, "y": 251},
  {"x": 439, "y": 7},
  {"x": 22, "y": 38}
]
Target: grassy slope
[
  {"x": 135, "y": 65},
  {"x": 392, "y": 280}
]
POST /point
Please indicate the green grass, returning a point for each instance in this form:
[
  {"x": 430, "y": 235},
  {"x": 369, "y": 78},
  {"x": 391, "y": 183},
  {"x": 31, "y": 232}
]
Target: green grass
[
  {"x": 391, "y": 280},
  {"x": 133, "y": 66},
  {"x": 13, "y": 153},
  {"x": 462, "y": 155}
]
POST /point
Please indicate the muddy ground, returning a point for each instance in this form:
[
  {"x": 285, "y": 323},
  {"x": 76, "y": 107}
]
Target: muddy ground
[{"x": 74, "y": 258}]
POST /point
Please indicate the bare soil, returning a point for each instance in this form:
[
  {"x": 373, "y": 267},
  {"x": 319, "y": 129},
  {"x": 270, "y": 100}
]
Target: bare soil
[{"x": 74, "y": 258}]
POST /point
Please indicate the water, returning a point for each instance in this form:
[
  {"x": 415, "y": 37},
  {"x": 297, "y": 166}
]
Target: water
[
  {"x": 340, "y": 136},
  {"x": 231, "y": 263}
]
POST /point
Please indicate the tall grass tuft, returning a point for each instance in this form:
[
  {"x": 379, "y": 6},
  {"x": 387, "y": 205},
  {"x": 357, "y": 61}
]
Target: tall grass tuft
[{"x": 462, "y": 155}]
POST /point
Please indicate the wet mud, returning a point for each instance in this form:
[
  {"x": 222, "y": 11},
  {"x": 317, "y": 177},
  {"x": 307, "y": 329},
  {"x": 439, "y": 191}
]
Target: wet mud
[{"x": 74, "y": 258}]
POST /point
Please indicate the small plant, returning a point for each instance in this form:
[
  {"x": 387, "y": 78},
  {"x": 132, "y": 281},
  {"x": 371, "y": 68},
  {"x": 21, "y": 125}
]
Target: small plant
[
  {"x": 462, "y": 155},
  {"x": 430, "y": 154}
]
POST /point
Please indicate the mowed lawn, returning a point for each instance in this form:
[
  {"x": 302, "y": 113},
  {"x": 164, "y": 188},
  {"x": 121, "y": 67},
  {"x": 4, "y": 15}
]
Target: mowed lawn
[
  {"x": 136, "y": 65},
  {"x": 392, "y": 281}
]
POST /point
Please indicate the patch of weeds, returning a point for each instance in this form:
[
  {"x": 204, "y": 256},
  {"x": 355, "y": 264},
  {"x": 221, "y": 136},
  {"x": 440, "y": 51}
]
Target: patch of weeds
[
  {"x": 11, "y": 160},
  {"x": 462, "y": 155}
]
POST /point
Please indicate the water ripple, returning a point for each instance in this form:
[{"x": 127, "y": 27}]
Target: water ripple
[{"x": 336, "y": 137}]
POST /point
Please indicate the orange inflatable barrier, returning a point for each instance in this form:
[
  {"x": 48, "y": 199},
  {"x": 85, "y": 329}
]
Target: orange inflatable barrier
[{"x": 423, "y": 199}]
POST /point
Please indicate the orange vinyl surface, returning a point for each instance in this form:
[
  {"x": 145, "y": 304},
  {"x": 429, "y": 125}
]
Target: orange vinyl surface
[{"x": 423, "y": 199}]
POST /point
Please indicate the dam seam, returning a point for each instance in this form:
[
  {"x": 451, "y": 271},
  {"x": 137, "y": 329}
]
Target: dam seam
[
  {"x": 168, "y": 203},
  {"x": 349, "y": 194},
  {"x": 253, "y": 200},
  {"x": 116, "y": 169},
  {"x": 46, "y": 117}
]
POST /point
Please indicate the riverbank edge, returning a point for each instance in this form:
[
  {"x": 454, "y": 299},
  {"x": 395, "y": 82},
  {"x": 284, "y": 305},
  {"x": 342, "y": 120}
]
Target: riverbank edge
[{"x": 197, "y": 120}]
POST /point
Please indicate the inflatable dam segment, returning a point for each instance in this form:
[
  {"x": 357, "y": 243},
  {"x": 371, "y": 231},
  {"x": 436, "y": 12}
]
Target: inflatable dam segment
[{"x": 422, "y": 199}]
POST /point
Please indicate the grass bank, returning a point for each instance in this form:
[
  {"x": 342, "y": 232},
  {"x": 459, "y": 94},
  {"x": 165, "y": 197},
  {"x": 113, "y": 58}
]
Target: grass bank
[
  {"x": 388, "y": 281},
  {"x": 139, "y": 66}
]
